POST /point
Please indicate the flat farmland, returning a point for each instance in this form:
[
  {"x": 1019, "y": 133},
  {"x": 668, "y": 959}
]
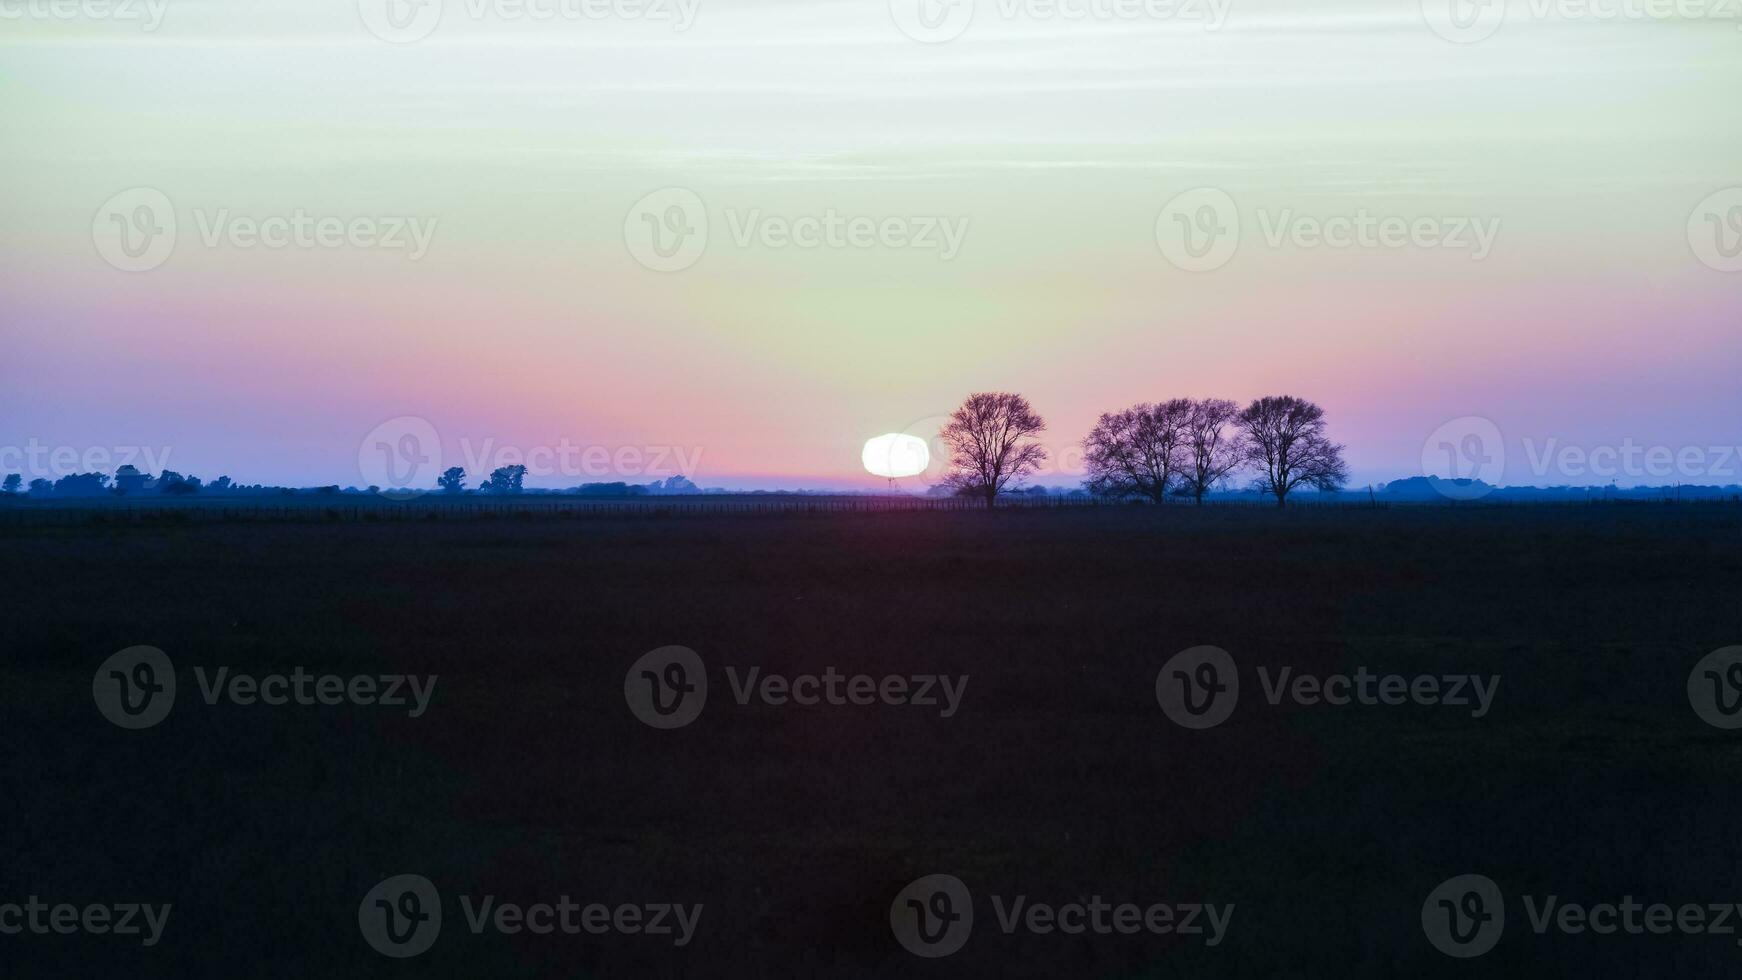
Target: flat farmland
[{"x": 1052, "y": 773}]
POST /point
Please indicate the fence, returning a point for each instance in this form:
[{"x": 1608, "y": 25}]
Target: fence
[{"x": 315, "y": 509}]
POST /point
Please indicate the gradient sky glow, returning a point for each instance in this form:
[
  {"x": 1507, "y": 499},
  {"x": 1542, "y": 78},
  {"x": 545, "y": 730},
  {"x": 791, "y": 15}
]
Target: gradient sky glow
[{"x": 530, "y": 323}]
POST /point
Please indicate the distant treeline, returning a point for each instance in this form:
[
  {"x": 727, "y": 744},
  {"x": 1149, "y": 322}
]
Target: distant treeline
[
  {"x": 1183, "y": 448},
  {"x": 1423, "y": 489},
  {"x": 128, "y": 481}
]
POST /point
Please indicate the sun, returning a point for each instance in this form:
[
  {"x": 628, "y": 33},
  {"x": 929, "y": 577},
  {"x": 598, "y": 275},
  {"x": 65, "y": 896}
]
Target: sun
[{"x": 896, "y": 455}]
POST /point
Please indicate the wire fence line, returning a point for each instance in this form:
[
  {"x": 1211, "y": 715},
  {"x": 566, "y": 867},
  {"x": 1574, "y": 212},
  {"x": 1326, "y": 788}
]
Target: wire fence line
[{"x": 435, "y": 508}]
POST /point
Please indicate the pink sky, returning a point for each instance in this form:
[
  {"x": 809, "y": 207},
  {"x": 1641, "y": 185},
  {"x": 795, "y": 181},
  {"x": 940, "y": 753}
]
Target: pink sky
[{"x": 1601, "y": 154}]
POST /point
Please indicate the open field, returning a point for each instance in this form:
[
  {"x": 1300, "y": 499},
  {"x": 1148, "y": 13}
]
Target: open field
[{"x": 1058, "y": 778}]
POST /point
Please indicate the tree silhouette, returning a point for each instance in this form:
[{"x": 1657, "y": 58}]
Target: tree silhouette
[
  {"x": 81, "y": 485},
  {"x": 1138, "y": 452},
  {"x": 128, "y": 479},
  {"x": 505, "y": 479},
  {"x": 171, "y": 482},
  {"x": 1213, "y": 447},
  {"x": 1285, "y": 441},
  {"x": 989, "y": 444}
]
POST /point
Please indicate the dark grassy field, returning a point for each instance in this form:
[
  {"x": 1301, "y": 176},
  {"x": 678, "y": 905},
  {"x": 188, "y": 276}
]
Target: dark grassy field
[{"x": 1059, "y": 778}]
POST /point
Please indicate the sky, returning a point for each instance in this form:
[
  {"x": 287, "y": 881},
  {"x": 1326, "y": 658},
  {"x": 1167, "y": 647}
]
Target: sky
[{"x": 626, "y": 239}]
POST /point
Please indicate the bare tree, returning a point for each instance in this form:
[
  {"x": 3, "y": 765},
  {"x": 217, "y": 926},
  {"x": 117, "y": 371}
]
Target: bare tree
[
  {"x": 1285, "y": 441},
  {"x": 1138, "y": 452},
  {"x": 1214, "y": 447},
  {"x": 989, "y": 439}
]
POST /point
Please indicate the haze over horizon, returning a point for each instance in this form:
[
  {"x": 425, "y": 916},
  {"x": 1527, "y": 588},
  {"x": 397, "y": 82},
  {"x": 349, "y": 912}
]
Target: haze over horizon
[{"x": 524, "y": 152}]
